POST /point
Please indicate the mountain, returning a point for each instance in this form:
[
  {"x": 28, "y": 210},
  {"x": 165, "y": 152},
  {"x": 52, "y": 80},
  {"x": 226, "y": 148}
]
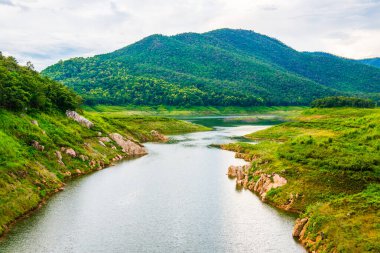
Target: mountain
[
  {"x": 375, "y": 62},
  {"x": 221, "y": 67}
]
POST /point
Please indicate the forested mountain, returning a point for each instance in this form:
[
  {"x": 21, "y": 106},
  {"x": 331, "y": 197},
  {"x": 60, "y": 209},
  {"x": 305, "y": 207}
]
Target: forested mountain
[
  {"x": 375, "y": 62},
  {"x": 22, "y": 88},
  {"x": 221, "y": 67}
]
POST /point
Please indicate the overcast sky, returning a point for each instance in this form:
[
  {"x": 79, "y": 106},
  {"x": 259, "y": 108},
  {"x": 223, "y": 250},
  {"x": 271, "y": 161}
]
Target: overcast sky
[{"x": 45, "y": 31}]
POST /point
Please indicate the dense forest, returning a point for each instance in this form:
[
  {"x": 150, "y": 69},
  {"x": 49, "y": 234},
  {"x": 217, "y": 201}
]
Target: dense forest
[
  {"x": 22, "y": 88},
  {"x": 375, "y": 62},
  {"x": 330, "y": 102},
  {"x": 222, "y": 67}
]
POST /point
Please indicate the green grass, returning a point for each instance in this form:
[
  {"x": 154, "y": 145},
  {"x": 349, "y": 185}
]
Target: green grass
[
  {"x": 27, "y": 175},
  {"x": 192, "y": 110},
  {"x": 331, "y": 159}
]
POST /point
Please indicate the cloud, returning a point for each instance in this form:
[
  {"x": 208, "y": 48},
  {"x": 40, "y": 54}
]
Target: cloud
[
  {"x": 6, "y": 2},
  {"x": 45, "y": 31}
]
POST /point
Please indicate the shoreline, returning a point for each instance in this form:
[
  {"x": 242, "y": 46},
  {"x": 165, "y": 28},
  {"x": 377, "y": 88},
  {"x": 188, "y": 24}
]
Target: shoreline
[
  {"x": 44, "y": 201},
  {"x": 240, "y": 173}
]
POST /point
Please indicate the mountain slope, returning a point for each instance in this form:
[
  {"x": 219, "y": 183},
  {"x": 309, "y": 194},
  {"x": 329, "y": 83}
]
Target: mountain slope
[
  {"x": 375, "y": 62},
  {"x": 222, "y": 67}
]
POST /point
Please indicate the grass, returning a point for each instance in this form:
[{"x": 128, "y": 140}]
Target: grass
[
  {"x": 27, "y": 175},
  {"x": 191, "y": 111},
  {"x": 331, "y": 159}
]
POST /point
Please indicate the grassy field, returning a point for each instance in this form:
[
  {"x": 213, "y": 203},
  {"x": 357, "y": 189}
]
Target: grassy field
[
  {"x": 28, "y": 175},
  {"x": 331, "y": 159},
  {"x": 191, "y": 111}
]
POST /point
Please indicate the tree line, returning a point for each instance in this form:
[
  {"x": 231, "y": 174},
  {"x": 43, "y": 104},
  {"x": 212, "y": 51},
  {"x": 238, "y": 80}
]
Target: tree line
[{"x": 23, "y": 89}]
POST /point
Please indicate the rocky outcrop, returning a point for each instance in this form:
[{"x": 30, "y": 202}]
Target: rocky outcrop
[
  {"x": 128, "y": 146},
  {"x": 71, "y": 152},
  {"x": 80, "y": 119},
  {"x": 299, "y": 227},
  {"x": 240, "y": 173},
  {"x": 267, "y": 182},
  {"x": 158, "y": 136},
  {"x": 36, "y": 145},
  {"x": 263, "y": 185}
]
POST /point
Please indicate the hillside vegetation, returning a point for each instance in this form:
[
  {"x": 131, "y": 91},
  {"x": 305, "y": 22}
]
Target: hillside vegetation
[
  {"x": 331, "y": 161},
  {"x": 220, "y": 68},
  {"x": 22, "y": 88},
  {"x": 330, "y": 102}
]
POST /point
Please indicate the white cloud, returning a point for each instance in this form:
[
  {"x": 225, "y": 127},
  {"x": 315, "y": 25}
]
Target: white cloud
[{"x": 45, "y": 31}]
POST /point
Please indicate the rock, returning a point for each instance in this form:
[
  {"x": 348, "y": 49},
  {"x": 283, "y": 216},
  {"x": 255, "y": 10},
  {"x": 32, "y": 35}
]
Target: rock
[
  {"x": 241, "y": 174},
  {"x": 104, "y": 139},
  {"x": 80, "y": 119},
  {"x": 37, "y": 146},
  {"x": 128, "y": 146},
  {"x": 232, "y": 171},
  {"x": 83, "y": 157},
  {"x": 267, "y": 182},
  {"x": 299, "y": 226},
  {"x": 58, "y": 155},
  {"x": 34, "y": 122},
  {"x": 92, "y": 163},
  {"x": 102, "y": 143},
  {"x": 113, "y": 147},
  {"x": 78, "y": 171},
  {"x": 278, "y": 181},
  {"x": 158, "y": 136},
  {"x": 71, "y": 152},
  {"x": 99, "y": 133}
]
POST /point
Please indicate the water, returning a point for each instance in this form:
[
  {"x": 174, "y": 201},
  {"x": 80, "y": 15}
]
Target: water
[{"x": 176, "y": 199}]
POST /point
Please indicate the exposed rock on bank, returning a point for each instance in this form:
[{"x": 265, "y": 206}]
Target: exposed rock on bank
[
  {"x": 80, "y": 119},
  {"x": 128, "y": 146},
  {"x": 300, "y": 227},
  {"x": 262, "y": 186},
  {"x": 158, "y": 136},
  {"x": 38, "y": 146}
]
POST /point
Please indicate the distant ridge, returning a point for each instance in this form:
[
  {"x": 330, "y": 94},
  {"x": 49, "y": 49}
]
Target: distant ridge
[
  {"x": 221, "y": 67},
  {"x": 375, "y": 62}
]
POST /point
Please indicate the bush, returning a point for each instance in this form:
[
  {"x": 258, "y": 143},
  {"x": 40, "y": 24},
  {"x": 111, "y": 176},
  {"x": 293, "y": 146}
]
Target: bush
[{"x": 330, "y": 102}]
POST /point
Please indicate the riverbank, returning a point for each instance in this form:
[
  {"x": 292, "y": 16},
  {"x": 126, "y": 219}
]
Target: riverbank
[
  {"x": 40, "y": 152},
  {"x": 177, "y": 111},
  {"x": 157, "y": 202},
  {"x": 323, "y": 165}
]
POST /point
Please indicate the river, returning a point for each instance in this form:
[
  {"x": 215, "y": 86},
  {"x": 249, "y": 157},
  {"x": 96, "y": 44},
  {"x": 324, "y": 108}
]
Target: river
[{"x": 175, "y": 199}]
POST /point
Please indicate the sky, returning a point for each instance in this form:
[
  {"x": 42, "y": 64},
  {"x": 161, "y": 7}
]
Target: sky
[{"x": 45, "y": 31}]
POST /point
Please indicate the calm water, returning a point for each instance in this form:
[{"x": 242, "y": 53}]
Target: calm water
[{"x": 176, "y": 199}]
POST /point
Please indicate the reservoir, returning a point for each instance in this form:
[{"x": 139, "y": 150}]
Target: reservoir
[{"x": 177, "y": 198}]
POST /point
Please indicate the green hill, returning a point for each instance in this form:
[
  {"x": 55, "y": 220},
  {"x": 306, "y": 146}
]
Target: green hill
[
  {"x": 221, "y": 67},
  {"x": 22, "y": 88},
  {"x": 375, "y": 62}
]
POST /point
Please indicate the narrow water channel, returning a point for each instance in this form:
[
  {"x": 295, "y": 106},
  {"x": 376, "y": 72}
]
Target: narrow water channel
[{"x": 176, "y": 199}]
